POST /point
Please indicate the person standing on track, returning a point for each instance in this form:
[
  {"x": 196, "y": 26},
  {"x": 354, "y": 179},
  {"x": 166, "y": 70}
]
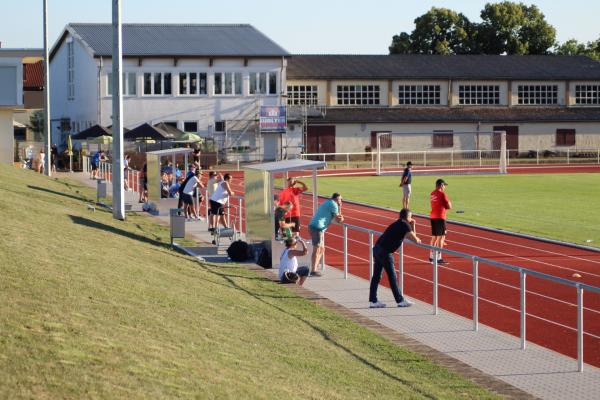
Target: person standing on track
[
  {"x": 383, "y": 255},
  {"x": 319, "y": 223},
  {"x": 440, "y": 203},
  {"x": 292, "y": 194},
  {"x": 218, "y": 201},
  {"x": 405, "y": 184}
]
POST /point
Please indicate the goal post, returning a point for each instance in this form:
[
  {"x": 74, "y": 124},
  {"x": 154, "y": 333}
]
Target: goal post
[{"x": 442, "y": 152}]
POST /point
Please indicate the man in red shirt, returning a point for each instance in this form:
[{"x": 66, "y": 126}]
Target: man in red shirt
[
  {"x": 440, "y": 203},
  {"x": 292, "y": 194}
]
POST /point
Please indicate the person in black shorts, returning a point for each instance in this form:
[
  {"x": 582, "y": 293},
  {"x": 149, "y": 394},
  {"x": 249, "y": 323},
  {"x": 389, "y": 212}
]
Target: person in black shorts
[
  {"x": 383, "y": 256},
  {"x": 440, "y": 203}
]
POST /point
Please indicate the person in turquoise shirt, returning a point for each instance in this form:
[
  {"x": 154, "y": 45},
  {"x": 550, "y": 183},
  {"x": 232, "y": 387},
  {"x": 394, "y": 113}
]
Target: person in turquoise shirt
[{"x": 319, "y": 223}]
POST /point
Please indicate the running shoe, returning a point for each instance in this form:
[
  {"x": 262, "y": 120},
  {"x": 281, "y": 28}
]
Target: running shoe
[
  {"x": 316, "y": 274},
  {"x": 405, "y": 303},
  {"x": 377, "y": 304},
  {"x": 442, "y": 262}
]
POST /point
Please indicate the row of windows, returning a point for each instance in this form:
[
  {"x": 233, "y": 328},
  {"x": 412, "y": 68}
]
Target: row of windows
[
  {"x": 196, "y": 83},
  {"x": 192, "y": 126},
  {"x": 445, "y": 139},
  {"x": 431, "y": 94}
]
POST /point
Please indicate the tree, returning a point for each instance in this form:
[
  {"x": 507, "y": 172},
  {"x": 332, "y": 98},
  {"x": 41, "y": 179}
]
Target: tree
[
  {"x": 401, "y": 44},
  {"x": 438, "y": 31},
  {"x": 574, "y": 48},
  {"x": 514, "y": 28}
]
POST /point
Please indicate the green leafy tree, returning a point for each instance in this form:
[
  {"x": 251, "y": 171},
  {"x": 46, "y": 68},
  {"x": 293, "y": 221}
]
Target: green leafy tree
[
  {"x": 574, "y": 48},
  {"x": 514, "y": 28},
  {"x": 401, "y": 44}
]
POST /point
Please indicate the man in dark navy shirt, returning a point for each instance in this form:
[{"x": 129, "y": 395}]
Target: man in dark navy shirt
[
  {"x": 386, "y": 245},
  {"x": 405, "y": 184}
]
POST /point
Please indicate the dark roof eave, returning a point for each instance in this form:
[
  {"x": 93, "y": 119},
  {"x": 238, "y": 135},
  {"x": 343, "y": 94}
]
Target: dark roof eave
[
  {"x": 193, "y": 56},
  {"x": 439, "y": 78}
]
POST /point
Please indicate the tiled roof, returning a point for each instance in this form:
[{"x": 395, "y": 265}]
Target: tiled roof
[
  {"x": 178, "y": 40},
  {"x": 414, "y": 66},
  {"x": 458, "y": 114},
  {"x": 33, "y": 75}
]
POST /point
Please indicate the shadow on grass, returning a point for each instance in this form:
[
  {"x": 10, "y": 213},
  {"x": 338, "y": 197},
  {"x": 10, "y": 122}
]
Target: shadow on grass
[
  {"x": 71, "y": 196},
  {"x": 117, "y": 231},
  {"x": 324, "y": 334}
]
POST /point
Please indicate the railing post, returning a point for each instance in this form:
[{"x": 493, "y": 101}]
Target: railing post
[
  {"x": 345, "y": 230},
  {"x": 323, "y": 256},
  {"x": 435, "y": 282},
  {"x": 598, "y": 155},
  {"x": 240, "y": 214},
  {"x": 579, "y": 329},
  {"x": 568, "y": 161},
  {"x": 424, "y": 158},
  {"x": 475, "y": 294},
  {"x": 348, "y": 160},
  {"x": 206, "y": 201},
  {"x": 372, "y": 166},
  {"x": 370, "y": 255},
  {"x": 452, "y": 158},
  {"x": 523, "y": 311},
  {"x": 537, "y": 156},
  {"x": 401, "y": 268},
  {"x": 480, "y": 160},
  {"x": 397, "y": 159}
]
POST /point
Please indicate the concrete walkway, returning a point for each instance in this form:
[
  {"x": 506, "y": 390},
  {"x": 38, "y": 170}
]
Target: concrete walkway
[{"x": 536, "y": 371}]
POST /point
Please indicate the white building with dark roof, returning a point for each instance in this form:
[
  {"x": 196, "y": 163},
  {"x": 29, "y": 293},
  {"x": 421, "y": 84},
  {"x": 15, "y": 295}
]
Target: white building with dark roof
[
  {"x": 542, "y": 102},
  {"x": 205, "y": 79}
]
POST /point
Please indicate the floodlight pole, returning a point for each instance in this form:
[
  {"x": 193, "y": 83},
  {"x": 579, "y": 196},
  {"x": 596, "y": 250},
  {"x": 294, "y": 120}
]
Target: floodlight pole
[
  {"x": 47, "y": 132},
  {"x": 117, "y": 112}
]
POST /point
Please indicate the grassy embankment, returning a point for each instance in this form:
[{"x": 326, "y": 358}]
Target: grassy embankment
[{"x": 96, "y": 308}]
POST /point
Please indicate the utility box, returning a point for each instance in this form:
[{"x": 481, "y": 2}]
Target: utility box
[
  {"x": 101, "y": 189},
  {"x": 177, "y": 223}
]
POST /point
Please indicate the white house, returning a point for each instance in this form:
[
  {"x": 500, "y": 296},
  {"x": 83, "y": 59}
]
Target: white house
[{"x": 205, "y": 79}]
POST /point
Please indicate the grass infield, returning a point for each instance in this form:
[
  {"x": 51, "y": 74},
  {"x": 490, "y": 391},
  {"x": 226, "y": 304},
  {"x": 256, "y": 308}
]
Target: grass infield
[
  {"x": 555, "y": 206},
  {"x": 91, "y": 307}
]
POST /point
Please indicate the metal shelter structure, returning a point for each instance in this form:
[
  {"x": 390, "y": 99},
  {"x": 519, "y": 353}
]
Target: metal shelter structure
[
  {"x": 259, "y": 189},
  {"x": 153, "y": 169}
]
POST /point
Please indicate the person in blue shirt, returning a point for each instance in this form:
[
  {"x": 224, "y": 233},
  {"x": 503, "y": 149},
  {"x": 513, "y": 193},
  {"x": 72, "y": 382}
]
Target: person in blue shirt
[
  {"x": 405, "y": 184},
  {"x": 98, "y": 156},
  {"x": 326, "y": 213}
]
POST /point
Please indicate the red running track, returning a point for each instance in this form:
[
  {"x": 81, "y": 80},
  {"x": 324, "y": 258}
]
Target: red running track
[{"x": 551, "y": 307}]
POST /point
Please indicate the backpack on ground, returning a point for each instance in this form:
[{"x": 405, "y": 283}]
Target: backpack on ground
[
  {"x": 264, "y": 258},
  {"x": 239, "y": 251}
]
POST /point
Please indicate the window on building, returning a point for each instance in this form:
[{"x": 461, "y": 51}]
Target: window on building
[
  {"x": 358, "y": 94},
  {"x": 587, "y": 94},
  {"x": 419, "y": 94},
  {"x": 263, "y": 83},
  {"x": 202, "y": 85},
  {"x": 219, "y": 126},
  {"x": 190, "y": 126},
  {"x": 565, "y": 137},
  {"x": 479, "y": 94},
  {"x": 129, "y": 87},
  {"x": 229, "y": 83},
  {"x": 385, "y": 141},
  {"x": 443, "y": 139},
  {"x": 70, "y": 71},
  {"x": 157, "y": 83},
  {"x": 192, "y": 83},
  {"x": 302, "y": 95},
  {"x": 537, "y": 94}
]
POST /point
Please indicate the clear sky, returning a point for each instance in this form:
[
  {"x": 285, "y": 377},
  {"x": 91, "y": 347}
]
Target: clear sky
[{"x": 301, "y": 27}]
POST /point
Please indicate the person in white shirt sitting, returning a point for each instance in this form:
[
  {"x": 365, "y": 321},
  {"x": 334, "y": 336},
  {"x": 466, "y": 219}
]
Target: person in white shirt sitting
[{"x": 289, "y": 272}]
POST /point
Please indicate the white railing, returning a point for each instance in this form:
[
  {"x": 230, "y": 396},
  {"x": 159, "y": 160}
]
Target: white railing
[
  {"x": 453, "y": 158},
  {"x": 523, "y": 274},
  {"x": 134, "y": 177}
]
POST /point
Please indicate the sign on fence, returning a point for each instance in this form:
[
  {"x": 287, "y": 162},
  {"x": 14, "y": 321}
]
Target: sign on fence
[{"x": 273, "y": 119}]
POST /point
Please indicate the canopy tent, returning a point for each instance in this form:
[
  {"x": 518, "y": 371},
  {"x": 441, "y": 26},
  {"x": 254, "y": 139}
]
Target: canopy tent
[
  {"x": 104, "y": 139},
  {"x": 147, "y": 131},
  {"x": 189, "y": 138},
  {"x": 177, "y": 133},
  {"x": 92, "y": 132}
]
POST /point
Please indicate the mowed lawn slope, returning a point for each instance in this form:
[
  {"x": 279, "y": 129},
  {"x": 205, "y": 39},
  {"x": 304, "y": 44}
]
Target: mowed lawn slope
[
  {"x": 556, "y": 206},
  {"x": 96, "y": 308}
]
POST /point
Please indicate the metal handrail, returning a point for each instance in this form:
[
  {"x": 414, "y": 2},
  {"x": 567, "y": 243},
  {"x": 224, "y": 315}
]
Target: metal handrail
[{"x": 523, "y": 273}]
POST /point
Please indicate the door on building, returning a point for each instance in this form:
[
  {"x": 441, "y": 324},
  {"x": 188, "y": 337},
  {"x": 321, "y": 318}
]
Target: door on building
[
  {"x": 320, "y": 139},
  {"x": 512, "y": 139},
  {"x": 271, "y": 146}
]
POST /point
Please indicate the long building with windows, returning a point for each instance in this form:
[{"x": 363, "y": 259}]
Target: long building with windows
[
  {"x": 204, "y": 79},
  {"x": 542, "y": 102},
  {"x": 212, "y": 80}
]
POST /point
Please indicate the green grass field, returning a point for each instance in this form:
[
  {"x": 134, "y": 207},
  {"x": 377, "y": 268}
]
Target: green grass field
[
  {"x": 556, "y": 206},
  {"x": 95, "y": 308}
]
